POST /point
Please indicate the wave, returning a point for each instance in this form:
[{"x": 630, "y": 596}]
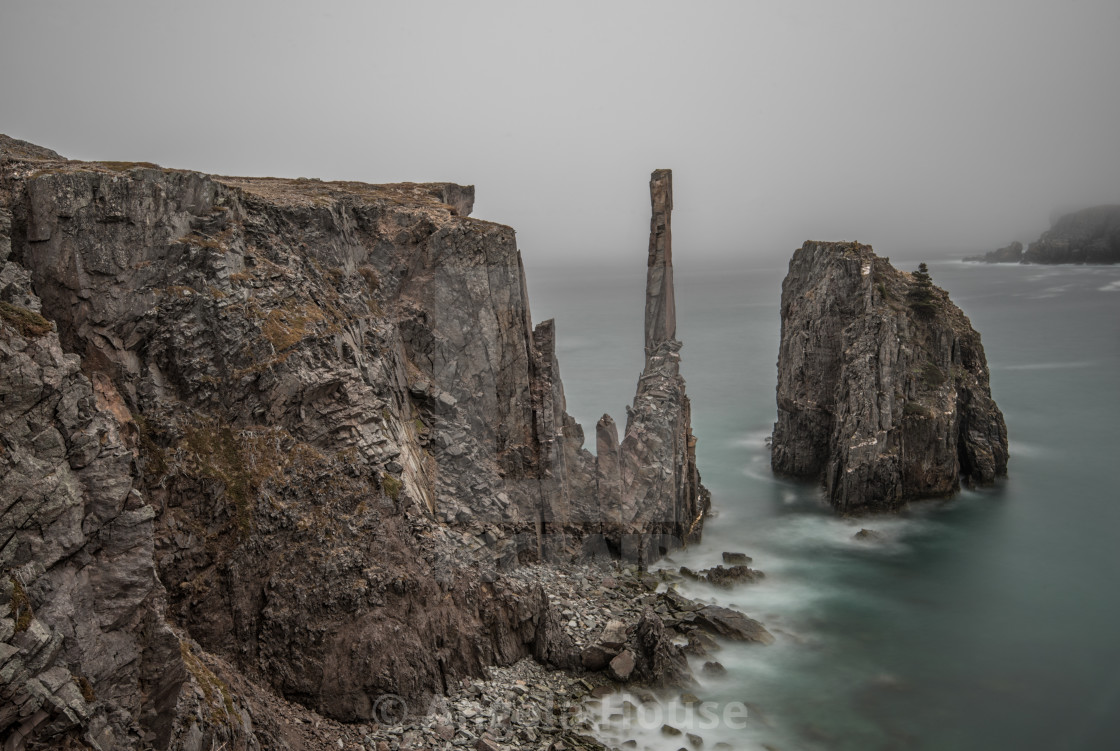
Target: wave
[
  {"x": 1027, "y": 450},
  {"x": 1050, "y": 292},
  {"x": 801, "y": 533},
  {"x": 1048, "y": 365},
  {"x": 752, "y": 439}
]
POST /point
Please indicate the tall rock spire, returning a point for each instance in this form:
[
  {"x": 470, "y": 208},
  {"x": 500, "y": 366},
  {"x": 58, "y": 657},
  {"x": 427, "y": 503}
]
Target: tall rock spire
[
  {"x": 661, "y": 503},
  {"x": 661, "y": 309}
]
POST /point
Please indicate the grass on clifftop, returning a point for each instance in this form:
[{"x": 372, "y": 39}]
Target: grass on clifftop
[{"x": 125, "y": 166}]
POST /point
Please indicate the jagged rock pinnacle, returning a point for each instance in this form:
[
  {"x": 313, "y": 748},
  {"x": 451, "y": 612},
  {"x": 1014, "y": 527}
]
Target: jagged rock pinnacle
[{"x": 661, "y": 309}]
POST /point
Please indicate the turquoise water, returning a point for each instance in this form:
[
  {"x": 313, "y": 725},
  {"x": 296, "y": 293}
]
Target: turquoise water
[{"x": 989, "y": 621}]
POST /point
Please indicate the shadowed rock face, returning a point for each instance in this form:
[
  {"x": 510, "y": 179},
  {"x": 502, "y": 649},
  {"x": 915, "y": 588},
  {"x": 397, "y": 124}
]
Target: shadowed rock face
[
  {"x": 1087, "y": 236},
  {"x": 290, "y": 429},
  {"x": 880, "y": 402}
]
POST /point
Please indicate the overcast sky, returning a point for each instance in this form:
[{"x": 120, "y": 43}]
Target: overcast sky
[{"x": 912, "y": 126}]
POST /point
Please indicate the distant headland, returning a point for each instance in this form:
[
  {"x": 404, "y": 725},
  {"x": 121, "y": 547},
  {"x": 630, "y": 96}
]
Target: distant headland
[{"x": 1087, "y": 236}]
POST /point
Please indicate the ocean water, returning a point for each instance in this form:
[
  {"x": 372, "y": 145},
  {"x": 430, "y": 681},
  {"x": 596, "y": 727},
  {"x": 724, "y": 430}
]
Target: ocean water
[{"x": 988, "y": 621}]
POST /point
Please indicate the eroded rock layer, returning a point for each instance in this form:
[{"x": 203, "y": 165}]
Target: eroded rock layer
[{"x": 883, "y": 390}]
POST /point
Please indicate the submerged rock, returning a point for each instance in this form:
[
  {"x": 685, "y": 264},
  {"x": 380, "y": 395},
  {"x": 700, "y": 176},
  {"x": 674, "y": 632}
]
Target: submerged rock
[
  {"x": 730, "y": 624},
  {"x": 723, "y": 577},
  {"x": 728, "y": 577},
  {"x": 883, "y": 391},
  {"x": 868, "y": 535}
]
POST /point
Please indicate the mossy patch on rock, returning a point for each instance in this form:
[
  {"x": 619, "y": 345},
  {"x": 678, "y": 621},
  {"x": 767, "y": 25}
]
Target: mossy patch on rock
[
  {"x": 287, "y": 326},
  {"x": 242, "y": 460},
  {"x": 86, "y": 688},
  {"x": 391, "y": 485},
  {"x": 21, "y": 606},
  {"x": 218, "y": 697},
  {"x": 29, "y": 323}
]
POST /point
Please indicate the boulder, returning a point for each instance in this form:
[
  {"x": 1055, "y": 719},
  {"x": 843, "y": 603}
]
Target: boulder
[
  {"x": 613, "y": 635},
  {"x": 660, "y": 662},
  {"x": 729, "y": 577},
  {"x": 714, "y": 668},
  {"x": 622, "y": 666},
  {"x": 730, "y": 624}
]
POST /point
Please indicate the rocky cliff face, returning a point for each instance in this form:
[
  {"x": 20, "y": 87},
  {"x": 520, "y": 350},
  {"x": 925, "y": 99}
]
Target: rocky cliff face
[
  {"x": 1087, "y": 236},
  {"x": 881, "y": 399},
  {"x": 289, "y": 430}
]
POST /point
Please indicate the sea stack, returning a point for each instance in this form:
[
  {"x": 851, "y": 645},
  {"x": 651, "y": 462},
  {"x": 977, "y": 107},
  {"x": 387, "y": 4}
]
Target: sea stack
[
  {"x": 663, "y": 502},
  {"x": 883, "y": 389}
]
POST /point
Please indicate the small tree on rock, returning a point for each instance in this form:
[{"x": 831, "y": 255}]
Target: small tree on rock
[{"x": 921, "y": 295}]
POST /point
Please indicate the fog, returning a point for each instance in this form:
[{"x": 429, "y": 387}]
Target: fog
[{"x": 949, "y": 126}]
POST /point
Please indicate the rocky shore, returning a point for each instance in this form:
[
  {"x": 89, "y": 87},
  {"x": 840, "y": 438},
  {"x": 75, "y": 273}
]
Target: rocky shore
[{"x": 606, "y": 610}]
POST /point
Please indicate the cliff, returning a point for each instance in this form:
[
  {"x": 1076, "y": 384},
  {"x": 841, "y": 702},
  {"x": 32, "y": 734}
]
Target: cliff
[
  {"x": 1087, "y": 236},
  {"x": 267, "y": 437},
  {"x": 883, "y": 391}
]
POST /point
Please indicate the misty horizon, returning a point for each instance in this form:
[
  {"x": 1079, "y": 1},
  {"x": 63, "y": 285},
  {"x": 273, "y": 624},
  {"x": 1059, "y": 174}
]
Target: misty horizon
[{"x": 950, "y": 129}]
